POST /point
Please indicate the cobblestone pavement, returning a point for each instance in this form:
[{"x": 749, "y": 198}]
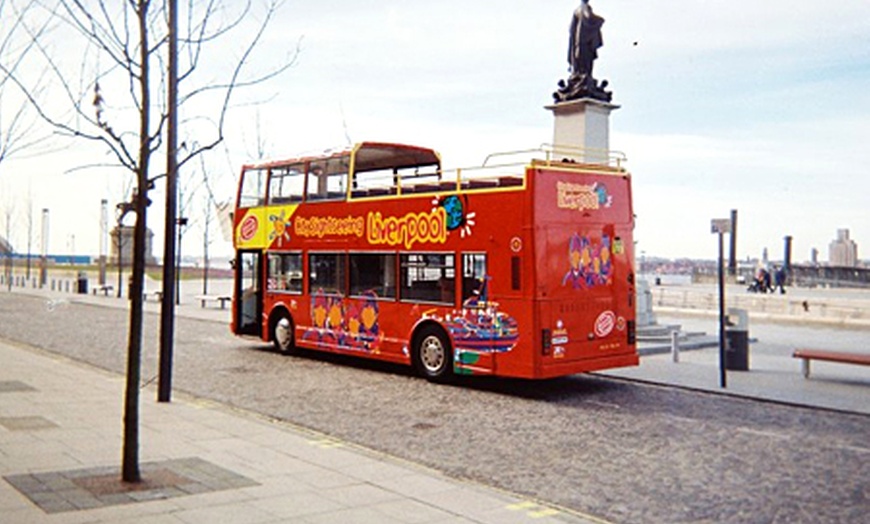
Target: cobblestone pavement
[{"x": 622, "y": 451}]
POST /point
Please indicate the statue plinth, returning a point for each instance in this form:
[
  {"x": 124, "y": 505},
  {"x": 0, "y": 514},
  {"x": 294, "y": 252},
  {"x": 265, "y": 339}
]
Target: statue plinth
[{"x": 581, "y": 130}]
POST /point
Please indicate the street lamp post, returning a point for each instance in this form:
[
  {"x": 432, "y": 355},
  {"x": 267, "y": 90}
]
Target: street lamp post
[
  {"x": 167, "y": 306},
  {"x": 720, "y": 226}
]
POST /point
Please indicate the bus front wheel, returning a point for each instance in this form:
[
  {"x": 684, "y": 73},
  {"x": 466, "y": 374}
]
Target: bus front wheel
[
  {"x": 432, "y": 354},
  {"x": 282, "y": 334}
]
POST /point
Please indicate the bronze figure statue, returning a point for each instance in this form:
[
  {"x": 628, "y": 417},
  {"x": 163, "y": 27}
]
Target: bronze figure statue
[{"x": 583, "y": 43}]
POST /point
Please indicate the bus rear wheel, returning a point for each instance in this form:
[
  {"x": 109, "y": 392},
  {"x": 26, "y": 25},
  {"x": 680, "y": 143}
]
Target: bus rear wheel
[
  {"x": 432, "y": 354},
  {"x": 282, "y": 334}
]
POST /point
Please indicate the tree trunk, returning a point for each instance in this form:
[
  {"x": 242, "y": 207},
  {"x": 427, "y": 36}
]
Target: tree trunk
[{"x": 130, "y": 461}]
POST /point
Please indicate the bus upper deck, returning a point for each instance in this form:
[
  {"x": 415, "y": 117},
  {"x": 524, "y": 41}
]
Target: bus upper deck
[{"x": 377, "y": 170}]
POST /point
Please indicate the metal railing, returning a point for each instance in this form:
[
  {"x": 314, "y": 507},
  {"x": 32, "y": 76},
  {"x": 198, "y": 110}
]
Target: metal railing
[
  {"x": 499, "y": 171},
  {"x": 550, "y": 154},
  {"x": 826, "y": 308}
]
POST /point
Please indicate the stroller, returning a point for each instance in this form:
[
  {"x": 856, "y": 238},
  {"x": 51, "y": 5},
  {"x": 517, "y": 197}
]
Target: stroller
[{"x": 761, "y": 282}]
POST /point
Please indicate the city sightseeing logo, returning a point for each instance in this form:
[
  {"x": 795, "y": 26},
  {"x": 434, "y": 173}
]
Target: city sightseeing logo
[
  {"x": 582, "y": 196},
  {"x": 248, "y": 228}
]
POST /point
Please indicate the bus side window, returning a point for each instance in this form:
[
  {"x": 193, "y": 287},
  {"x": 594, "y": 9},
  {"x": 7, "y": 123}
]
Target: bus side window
[
  {"x": 316, "y": 181},
  {"x": 427, "y": 277},
  {"x": 326, "y": 273},
  {"x": 373, "y": 273},
  {"x": 285, "y": 272},
  {"x": 253, "y": 191},
  {"x": 336, "y": 180},
  {"x": 286, "y": 184},
  {"x": 473, "y": 273},
  {"x": 327, "y": 179}
]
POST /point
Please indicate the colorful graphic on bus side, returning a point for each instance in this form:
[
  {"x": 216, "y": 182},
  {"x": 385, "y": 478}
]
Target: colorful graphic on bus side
[
  {"x": 348, "y": 323},
  {"x": 280, "y": 227},
  {"x": 448, "y": 214},
  {"x": 458, "y": 216},
  {"x": 479, "y": 326},
  {"x": 590, "y": 263}
]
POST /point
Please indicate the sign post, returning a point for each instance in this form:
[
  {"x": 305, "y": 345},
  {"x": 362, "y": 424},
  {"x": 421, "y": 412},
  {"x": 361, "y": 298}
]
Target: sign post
[{"x": 721, "y": 226}]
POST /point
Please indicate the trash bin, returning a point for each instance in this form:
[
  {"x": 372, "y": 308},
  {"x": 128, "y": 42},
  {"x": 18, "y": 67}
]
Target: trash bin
[
  {"x": 737, "y": 340},
  {"x": 82, "y": 283}
]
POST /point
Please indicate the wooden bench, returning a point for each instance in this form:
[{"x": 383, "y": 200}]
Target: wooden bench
[
  {"x": 223, "y": 299},
  {"x": 105, "y": 289},
  {"x": 861, "y": 359},
  {"x": 158, "y": 295}
]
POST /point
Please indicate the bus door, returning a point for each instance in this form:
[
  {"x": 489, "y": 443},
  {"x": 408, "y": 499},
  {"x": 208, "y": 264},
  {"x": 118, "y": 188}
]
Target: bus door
[{"x": 249, "y": 293}]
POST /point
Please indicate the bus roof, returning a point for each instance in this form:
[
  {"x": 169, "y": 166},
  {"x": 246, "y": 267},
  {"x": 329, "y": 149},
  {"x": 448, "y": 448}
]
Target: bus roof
[{"x": 369, "y": 156}]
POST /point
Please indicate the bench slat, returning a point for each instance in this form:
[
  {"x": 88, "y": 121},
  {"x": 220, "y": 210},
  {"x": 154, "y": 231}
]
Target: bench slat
[
  {"x": 223, "y": 299},
  {"x": 842, "y": 357},
  {"x": 833, "y": 356}
]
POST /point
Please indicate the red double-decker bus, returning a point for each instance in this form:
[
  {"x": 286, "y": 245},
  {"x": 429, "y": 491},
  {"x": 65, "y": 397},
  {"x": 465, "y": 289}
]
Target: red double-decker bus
[{"x": 519, "y": 268}]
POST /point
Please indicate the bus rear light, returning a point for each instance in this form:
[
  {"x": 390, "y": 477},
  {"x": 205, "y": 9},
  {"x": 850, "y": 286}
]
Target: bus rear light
[
  {"x": 546, "y": 342},
  {"x": 632, "y": 333}
]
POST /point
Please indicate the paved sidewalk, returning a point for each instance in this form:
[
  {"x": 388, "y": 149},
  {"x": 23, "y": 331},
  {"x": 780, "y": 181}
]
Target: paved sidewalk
[
  {"x": 774, "y": 375},
  {"x": 60, "y": 454}
]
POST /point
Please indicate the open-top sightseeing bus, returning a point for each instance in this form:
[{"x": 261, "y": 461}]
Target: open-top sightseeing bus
[{"x": 518, "y": 269}]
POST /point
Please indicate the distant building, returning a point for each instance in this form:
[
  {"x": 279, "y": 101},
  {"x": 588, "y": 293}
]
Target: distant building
[
  {"x": 843, "y": 251},
  {"x": 122, "y": 240}
]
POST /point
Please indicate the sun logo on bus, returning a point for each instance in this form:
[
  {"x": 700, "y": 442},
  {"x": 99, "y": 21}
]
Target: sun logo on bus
[
  {"x": 457, "y": 217},
  {"x": 280, "y": 228}
]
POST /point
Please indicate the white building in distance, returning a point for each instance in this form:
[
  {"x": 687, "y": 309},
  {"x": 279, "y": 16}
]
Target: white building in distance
[{"x": 843, "y": 251}]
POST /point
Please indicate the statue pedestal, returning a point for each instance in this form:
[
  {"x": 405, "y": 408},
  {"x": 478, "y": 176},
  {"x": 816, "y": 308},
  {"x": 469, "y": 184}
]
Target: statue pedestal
[{"x": 581, "y": 131}]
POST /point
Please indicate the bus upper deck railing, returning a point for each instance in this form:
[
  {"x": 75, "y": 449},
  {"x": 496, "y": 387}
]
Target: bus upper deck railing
[
  {"x": 506, "y": 170},
  {"x": 591, "y": 158}
]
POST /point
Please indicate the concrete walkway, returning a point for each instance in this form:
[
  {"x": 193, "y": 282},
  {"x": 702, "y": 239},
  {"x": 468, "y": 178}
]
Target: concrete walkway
[
  {"x": 774, "y": 374},
  {"x": 60, "y": 455}
]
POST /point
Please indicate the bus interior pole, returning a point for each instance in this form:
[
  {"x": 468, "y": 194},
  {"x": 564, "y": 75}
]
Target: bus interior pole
[{"x": 722, "y": 378}]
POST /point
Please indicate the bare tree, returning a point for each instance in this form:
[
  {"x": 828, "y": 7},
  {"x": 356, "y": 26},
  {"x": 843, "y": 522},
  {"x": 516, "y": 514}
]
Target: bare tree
[
  {"x": 114, "y": 99},
  {"x": 18, "y": 128}
]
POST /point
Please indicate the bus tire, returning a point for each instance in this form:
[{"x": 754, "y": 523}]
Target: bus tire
[
  {"x": 281, "y": 330},
  {"x": 433, "y": 355}
]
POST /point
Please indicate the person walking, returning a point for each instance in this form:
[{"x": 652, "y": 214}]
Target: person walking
[{"x": 779, "y": 280}]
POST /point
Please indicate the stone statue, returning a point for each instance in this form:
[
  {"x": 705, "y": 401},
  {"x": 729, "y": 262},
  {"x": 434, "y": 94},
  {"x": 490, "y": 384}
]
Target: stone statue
[{"x": 583, "y": 43}]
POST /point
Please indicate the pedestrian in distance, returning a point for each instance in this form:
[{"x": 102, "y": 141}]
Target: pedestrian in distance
[{"x": 779, "y": 280}]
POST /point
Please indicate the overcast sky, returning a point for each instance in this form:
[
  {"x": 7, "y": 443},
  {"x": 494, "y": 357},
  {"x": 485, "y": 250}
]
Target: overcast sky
[{"x": 762, "y": 108}]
